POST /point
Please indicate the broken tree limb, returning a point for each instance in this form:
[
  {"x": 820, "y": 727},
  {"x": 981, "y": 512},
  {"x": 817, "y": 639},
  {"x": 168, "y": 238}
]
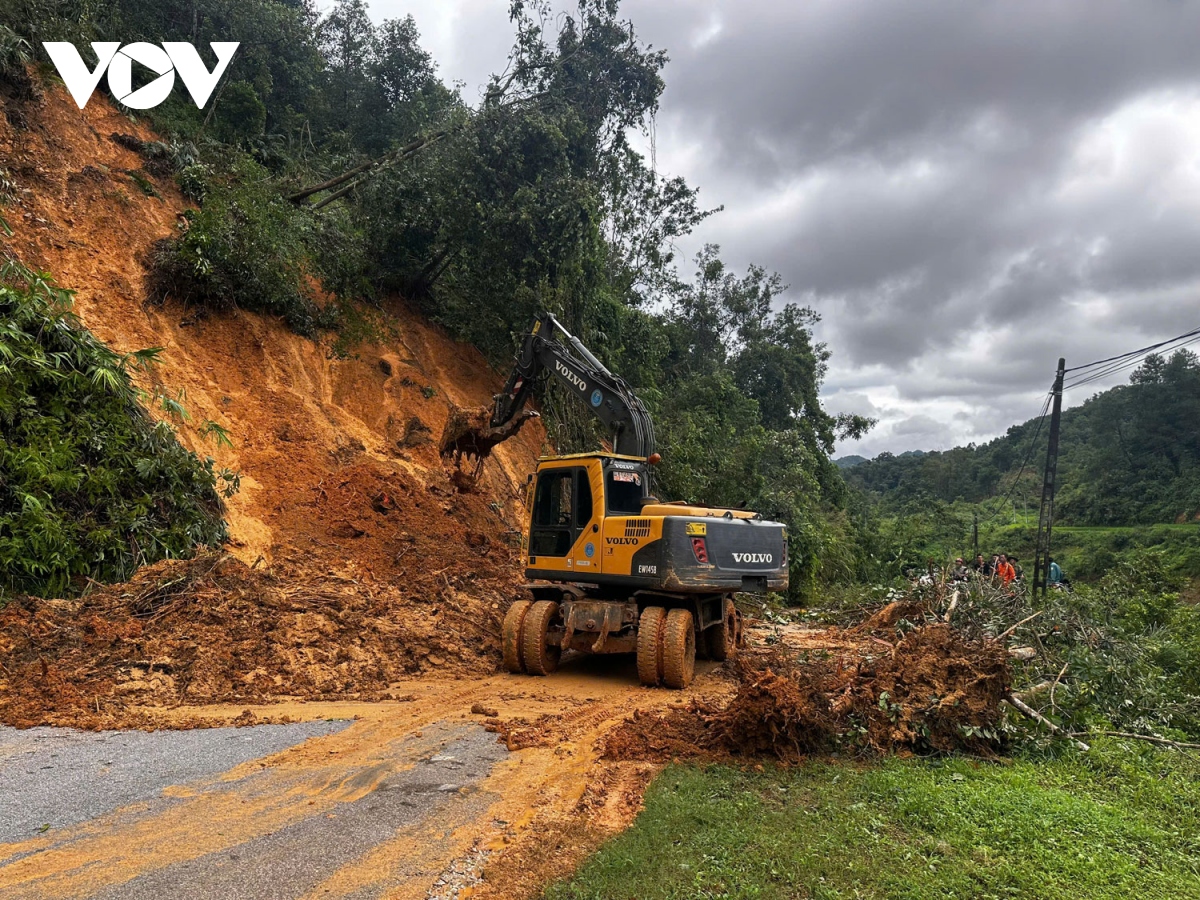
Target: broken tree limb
[
  {"x": 1030, "y": 713},
  {"x": 1181, "y": 745},
  {"x": 1054, "y": 686},
  {"x": 1039, "y": 688},
  {"x": 397, "y": 155},
  {"x": 1008, "y": 633},
  {"x": 953, "y": 605}
]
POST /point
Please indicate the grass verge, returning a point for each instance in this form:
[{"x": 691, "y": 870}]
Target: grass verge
[{"x": 1119, "y": 822}]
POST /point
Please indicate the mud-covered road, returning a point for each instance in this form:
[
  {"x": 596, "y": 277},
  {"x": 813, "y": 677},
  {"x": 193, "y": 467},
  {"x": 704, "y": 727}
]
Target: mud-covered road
[{"x": 405, "y": 798}]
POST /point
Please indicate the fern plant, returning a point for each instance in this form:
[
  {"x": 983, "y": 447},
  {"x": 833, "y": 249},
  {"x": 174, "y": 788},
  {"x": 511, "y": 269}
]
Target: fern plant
[{"x": 90, "y": 485}]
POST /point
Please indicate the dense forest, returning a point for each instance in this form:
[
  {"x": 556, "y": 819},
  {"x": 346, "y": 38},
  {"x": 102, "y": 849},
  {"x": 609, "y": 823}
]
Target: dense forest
[
  {"x": 1129, "y": 455},
  {"x": 334, "y": 169}
]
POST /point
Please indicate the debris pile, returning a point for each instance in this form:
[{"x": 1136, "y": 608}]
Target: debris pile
[
  {"x": 213, "y": 630},
  {"x": 934, "y": 690}
]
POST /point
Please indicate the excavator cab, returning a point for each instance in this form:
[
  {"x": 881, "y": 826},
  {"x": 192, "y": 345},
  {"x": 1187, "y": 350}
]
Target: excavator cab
[
  {"x": 571, "y": 503},
  {"x": 564, "y": 518}
]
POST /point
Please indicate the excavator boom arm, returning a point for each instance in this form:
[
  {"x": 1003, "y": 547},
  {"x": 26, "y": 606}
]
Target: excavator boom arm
[{"x": 549, "y": 347}]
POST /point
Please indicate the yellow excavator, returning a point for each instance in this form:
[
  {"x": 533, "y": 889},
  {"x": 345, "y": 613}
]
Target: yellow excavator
[{"x": 612, "y": 568}]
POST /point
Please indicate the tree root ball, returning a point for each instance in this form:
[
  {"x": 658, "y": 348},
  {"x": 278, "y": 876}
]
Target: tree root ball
[{"x": 469, "y": 433}]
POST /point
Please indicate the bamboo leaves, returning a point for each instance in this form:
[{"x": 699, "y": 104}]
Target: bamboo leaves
[{"x": 90, "y": 487}]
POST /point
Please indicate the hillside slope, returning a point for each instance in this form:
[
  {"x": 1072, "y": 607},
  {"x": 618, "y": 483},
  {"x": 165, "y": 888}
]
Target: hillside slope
[
  {"x": 341, "y": 479},
  {"x": 309, "y": 431}
]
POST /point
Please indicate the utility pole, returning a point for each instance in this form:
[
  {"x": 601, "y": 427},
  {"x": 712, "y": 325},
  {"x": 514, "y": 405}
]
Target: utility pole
[{"x": 1041, "y": 563}]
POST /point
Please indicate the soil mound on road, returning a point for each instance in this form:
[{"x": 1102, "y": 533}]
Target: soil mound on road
[
  {"x": 935, "y": 690},
  {"x": 212, "y": 630},
  {"x": 363, "y": 553}
]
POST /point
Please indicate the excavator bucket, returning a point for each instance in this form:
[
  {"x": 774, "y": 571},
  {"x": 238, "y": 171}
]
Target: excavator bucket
[{"x": 469, "y": 432}]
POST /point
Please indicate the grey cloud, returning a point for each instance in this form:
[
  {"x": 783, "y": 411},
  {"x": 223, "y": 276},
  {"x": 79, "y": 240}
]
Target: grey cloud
[
  {"x": 852, "y": 403},
  {"x": 819, "y": 80}
]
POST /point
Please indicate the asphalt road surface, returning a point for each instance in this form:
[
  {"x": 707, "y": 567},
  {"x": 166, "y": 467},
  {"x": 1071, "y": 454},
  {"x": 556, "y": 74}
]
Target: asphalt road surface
[
  {"x": 63, "y": 791},
  {"x": 51, "y": 777},
  {"x": 403, "y": 799}
]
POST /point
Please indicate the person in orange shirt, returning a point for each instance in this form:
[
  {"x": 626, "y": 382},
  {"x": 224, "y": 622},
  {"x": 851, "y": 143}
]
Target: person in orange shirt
[{"x": 1005, "y": 571}]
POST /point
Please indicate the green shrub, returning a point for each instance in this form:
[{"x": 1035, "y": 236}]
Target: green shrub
[
  {"x": 90, "y": 486},
  {"x": 244, "y": 248},
  {"x": 240, "y": 114},
  {"x": 15, "y": 53}
]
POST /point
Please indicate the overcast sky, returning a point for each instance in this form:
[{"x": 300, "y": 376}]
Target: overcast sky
[{"x": 963, "y": 191}]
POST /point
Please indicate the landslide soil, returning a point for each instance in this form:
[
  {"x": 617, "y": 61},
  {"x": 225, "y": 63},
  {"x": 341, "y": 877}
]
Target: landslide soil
[{"x": 344, "y": 502}]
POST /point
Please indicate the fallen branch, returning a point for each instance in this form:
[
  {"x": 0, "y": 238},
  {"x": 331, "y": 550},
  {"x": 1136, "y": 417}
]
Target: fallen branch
[
  {"x": 1030, "y": 713},
  {"x": 1054, "y": 686},
  {"x": 1181, "y": 745},
  {"x": 397, "y": 155},
  {"x": 1008, "y": 633},
  {"x": 1039, "y": 688},
  {"x": 953, "y": 605}
]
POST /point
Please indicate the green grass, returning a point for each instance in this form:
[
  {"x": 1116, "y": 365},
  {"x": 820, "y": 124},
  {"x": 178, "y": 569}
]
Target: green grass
[{"x": 1115, "y": 823}]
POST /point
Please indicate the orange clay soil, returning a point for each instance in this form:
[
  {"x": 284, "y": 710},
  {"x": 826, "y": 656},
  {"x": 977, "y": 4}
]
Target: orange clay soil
[
  {"x": 343, "y": 490},
  {"x": 327, "y": 447}
]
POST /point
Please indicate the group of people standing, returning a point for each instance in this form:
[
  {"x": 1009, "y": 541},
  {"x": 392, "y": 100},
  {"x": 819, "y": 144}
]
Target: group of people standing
[
  {"x": 1003, "y": 570},
  {"x": 1000, "y": 569}
]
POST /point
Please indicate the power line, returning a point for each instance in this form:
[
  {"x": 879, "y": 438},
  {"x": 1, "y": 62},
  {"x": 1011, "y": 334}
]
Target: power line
[
  {"x": 1127, "y": 363},
  {"x": 1028, "y": 456},
  {"x": 1143, "y": 351}
]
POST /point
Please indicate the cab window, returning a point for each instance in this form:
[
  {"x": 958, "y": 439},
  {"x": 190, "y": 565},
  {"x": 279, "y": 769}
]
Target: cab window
[
  {"x": 562, "y": 508},
  {"x": 625, "y": 491},
  {"x": 552, "y": 502}
]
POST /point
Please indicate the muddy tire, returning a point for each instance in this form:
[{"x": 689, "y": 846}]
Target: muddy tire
[
  {"x": 539, "y": 655},
  {"x": 649, "y": 645},
  {"x": 678, "y": 649},
  {"x": 513, "y": 620},
  {"x": 721, "y": 641}
]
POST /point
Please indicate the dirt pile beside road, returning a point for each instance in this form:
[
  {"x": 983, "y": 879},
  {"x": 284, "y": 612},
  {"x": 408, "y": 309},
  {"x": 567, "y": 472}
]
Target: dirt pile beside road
[
  {"x": 363, "y": 552},
  {"x": 934, "y": 690},
  {"x": 212, "y": 630}
]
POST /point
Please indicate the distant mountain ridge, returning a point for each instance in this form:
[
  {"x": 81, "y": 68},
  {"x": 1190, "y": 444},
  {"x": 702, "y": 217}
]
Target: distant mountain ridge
[
  {"x": 849, "y": 462},
  {"x": 1128, "y": 455}
]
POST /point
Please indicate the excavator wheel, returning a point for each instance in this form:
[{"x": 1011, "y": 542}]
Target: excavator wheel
[
  {"x": 539, "y": 656},
  {"x": 678, "y": 649},
  {"x": 723, "y": 640},
  {"x": 649, "y": 645},
  {"x": 512, "y": 635}
]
